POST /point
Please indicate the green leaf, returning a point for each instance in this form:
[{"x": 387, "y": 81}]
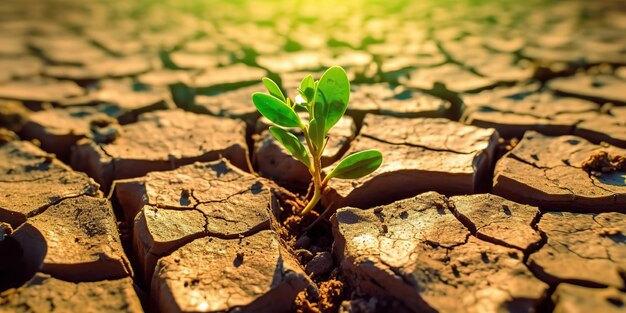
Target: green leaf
[
  {"x": 332, "y": 96},
  {"x": 316, "y": 133},
  {"x": 357, "y": 165},
  {"x": 292, "y": 144},
  {"x": 275, "y": 110},
  {"x": 307, "y": 88},
  {"x": 273, "y": 89}
]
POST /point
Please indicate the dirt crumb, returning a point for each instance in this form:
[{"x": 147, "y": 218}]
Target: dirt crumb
[
  {"x": 7, "y": 136},
  {"x": 330, "y": 295},
  {"x": 603, "y": 162},
  {"x": 5, "y": 230},
  {"x": 295, "y": 224},
  {"x": 328, "y": 300}
]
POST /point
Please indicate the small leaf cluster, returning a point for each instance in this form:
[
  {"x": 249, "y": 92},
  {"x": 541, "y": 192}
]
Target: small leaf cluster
[{"x": 326, "y": 101}]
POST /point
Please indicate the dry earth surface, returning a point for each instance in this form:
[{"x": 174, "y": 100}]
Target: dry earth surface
[{"x": 137, "y": 176}]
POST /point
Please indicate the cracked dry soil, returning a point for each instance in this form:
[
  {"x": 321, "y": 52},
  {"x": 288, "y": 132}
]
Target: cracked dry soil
[{"x": 136, "y": 175}]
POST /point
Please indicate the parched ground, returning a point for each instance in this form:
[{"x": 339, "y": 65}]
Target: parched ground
[{"x": 137, "y": 176}]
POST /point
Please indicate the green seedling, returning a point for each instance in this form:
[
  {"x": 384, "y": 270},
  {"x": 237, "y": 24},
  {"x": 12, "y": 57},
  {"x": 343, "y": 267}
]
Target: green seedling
[{"x": 326, "y": 101}]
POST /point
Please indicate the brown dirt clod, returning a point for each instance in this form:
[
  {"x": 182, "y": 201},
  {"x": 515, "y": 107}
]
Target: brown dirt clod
[
  {"x": 328, "y": 299},
  {"x": 602, "y": 161}
]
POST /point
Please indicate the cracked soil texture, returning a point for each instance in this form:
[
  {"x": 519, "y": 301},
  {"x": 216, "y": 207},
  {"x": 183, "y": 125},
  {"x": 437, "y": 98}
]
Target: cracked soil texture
[{"x": 136, "y": 175}]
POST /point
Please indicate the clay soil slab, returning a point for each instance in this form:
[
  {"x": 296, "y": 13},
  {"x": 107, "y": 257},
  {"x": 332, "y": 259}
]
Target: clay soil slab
[
  {"x": 234, "y": 104},
  {"x": 163, "y": 140},
  {"x": 125, "y": 103},
  {"x": 609, "y": 128},
  {"x": 172, "y": 208},
  {"x": 75, "y": 240},
  {"x": 452, "y": 76},
  {"x": 585, "y": 249},
  {"x": 100, "y": 69},
  {"x": 59, "y": 129},
  {"x": 228, "y": 77},
  {"x": 386, "y": 99},
  {"x": 292, "y": 62},
  {"x": 419, "y": 155},
  {"x": 272, "y": 160},
  {"x": 546, "y": 172},
  {"x": 47, "y": 294},
  {"x": 250, "y": 274},
  {"x": 416, "y": 251},
  {"x": 495, "y": 219},
  {"x": 200, "y": 61},
  {"x": 514, "y": 110},
  {"x": 66, "y": 49},
  {"x": 601, "y": 88},
  {"x": 31, "y": 180},
  {"x": 40, "y": 90},
  {"x": 576, "y": 299}
]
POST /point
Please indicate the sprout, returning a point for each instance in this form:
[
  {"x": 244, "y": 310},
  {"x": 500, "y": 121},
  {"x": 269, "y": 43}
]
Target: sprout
[{"x": 326, "y": 100}]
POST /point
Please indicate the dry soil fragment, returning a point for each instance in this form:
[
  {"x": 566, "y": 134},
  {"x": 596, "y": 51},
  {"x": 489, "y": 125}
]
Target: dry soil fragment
[
  {"x": 452, "y": 76},
  {"x": 13, "y": 115},
  {"x": 75, "y": 240},
  {"x": 292, "y": 62},
  {"x": 585, "y": 249},
  {"x": 398, "y": 101},
  {"x": 22, "y": 66},
  {"x": 227, "y": 77},
  {"x": 601, "y": 88},
  {"x": 251, "y": 274},
  {"x": 199, "y": 61},
  {"x": 546, "y": 172},
  {"x": 66, "y": 49},
  {"x": 158, "y": 232},
  {"x": 498, "y": 220},
  {"x": 416, "y": 251},
  {"x": 609, "y": 127},
  {"x": 275, "y": 162},
  {"x": 164, "y": 77},
  {"x": 120, "y": 67},
  {"x": 59, "y": 129},
  {"x": 40, "y": 90},
  {"x": 31, "y": 180},
  {"x": 125, "y": 103},
  {"x": 47, "y": 294},
  {"x": 514, "y": 110},
  {"x": 576, "y": 299},
  {"x": 419, "y": 155},
  {"x": 163, "y": 140},
  {"x": 234, "y": 104},
  {"x": 500, "y": 67},
  {"x": 178, "y": 206}
]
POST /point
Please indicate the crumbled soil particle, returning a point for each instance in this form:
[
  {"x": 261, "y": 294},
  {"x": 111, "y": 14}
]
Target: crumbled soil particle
[
  {"x": 327, "y": 300},
  {"x": 321, "y": 264},
  {"x": 603, "y": 162}
]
